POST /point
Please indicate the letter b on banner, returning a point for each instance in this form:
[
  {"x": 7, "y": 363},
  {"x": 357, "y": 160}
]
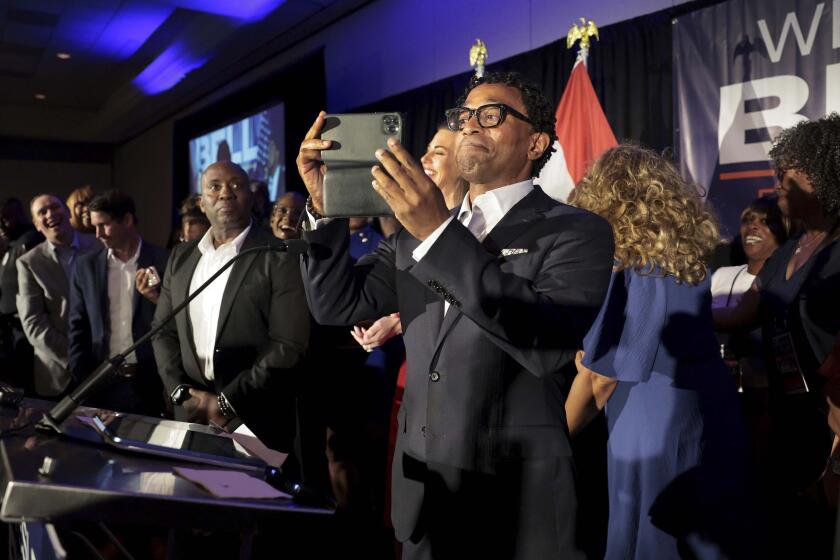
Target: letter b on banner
[{"x": 790, "y": 93}]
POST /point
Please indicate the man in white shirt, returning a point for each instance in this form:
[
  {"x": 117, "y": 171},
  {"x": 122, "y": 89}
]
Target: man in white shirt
[
  {"x": 232, "y": 355},
  {"x": 43, "y": 297},
  {"x": 108, "y": 313},
  {"x": 494, "y": 301}
]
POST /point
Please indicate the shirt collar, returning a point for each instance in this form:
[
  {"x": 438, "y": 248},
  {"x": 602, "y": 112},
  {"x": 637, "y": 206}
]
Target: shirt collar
[
  {"x": 113, "y": 259},
  {"x": 74, "y": 244},
  {"x": 495, "y": 203},
  {"x": 206, "y": 243}
]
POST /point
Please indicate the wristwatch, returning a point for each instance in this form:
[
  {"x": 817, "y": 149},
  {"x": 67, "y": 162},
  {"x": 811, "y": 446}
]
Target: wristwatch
[
  {"x": 179, "y": 394},
  {"x": 310, "y": 207},
  {"x": 224, "y": 407}
]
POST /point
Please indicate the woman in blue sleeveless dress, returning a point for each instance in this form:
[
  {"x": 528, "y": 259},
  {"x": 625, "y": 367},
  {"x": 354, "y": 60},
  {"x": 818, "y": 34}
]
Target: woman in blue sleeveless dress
[{"x": 676, "y": 450}]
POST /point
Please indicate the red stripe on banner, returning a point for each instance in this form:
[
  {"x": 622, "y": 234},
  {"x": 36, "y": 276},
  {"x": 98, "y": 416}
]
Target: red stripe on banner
[{"x": 747, "y": 174}]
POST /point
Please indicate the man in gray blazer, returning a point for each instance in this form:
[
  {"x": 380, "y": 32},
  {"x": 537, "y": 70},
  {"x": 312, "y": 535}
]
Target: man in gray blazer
[{"x": 44, "y": 275}]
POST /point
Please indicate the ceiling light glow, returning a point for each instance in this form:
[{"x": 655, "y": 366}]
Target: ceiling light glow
[{"x": 168, "y": 69}]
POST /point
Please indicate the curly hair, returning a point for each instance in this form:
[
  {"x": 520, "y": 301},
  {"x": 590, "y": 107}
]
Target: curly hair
[
  {"x": 537, "y": 107},
  {"x": 813, "y": 148},
  {"x": 658, "y": 219}
]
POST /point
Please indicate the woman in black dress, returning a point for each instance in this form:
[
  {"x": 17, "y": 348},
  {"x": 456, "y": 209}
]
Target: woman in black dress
[{"x": 796, "y": 302}]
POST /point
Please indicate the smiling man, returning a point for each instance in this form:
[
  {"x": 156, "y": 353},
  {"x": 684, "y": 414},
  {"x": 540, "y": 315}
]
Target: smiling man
[
  {"x": 108, "y": 313},
  {"x": 232, "y": 354},
  {"x": 494, "y": 298},
  {"x": 44, "y": 275}
]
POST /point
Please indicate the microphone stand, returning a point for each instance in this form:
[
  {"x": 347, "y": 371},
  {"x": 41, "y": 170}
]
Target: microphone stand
[{"x": 52, "y": 420}]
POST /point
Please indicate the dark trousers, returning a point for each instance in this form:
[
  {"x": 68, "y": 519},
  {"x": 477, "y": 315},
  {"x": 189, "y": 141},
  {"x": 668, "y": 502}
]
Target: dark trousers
[
  {"x": 522, "y": 511},
  {"x": 16, "y": 354}
]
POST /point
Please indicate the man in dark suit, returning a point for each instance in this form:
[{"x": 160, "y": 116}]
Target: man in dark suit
[
  {"x": 108, "y": 313},
  {"x": 236, "y": 346},
  {"x": 494, "y": 300}
]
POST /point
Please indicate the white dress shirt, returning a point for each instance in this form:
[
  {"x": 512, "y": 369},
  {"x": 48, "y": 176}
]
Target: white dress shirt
[
  {"x": 481, "y": 216},
  {"x": 121, "y": 303},
  {"x": 729, "y": 284},
  {"x": 204, "y": 310}
]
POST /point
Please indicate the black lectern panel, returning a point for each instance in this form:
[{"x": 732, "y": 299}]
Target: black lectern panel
[{"x": 97, "y": 482}]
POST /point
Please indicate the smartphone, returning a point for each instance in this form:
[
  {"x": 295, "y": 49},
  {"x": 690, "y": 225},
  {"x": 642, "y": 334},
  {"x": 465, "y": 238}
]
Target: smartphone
[
  {"x": 152, "y": 277},
  {"x": 355, "y": 138}
]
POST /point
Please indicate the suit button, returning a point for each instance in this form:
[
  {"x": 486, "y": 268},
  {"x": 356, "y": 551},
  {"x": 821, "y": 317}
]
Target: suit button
[
  {"x": 423, "y": 430},
  {"x": 434, "y": 376}
]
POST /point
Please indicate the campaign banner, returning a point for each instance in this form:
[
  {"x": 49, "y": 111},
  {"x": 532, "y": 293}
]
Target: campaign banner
[{"x": 744, "y": 70}]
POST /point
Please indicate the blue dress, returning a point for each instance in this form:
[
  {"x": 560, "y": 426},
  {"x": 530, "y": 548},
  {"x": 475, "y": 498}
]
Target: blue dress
[{"x": 676, "y": 450}]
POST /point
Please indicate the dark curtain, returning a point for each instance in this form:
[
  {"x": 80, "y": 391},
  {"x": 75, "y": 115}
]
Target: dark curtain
[{"x": 630, "y": 66}]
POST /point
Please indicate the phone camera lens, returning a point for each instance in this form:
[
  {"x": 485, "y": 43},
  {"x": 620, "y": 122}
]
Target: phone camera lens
[{"x": 390, "y": 124}]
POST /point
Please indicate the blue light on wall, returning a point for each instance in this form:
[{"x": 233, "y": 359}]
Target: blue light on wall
[{"x": 169, "y": 68}]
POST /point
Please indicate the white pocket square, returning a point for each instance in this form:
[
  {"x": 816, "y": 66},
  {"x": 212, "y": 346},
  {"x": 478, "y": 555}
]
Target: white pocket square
[{"x": 509, "y": 252}]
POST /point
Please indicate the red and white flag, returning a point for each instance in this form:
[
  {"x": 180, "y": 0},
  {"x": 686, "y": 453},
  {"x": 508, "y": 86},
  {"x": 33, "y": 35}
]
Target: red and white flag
[{"x": 583, "y": 134}]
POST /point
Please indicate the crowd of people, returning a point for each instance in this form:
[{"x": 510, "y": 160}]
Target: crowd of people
[{"x": 430, "y": 373}]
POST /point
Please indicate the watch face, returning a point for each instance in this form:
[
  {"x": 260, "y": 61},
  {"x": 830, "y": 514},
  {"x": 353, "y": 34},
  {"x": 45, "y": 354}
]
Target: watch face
[{"x": 180, "y": 395}]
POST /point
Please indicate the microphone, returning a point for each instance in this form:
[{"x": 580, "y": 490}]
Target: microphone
[{"x": 52, "y": 420}]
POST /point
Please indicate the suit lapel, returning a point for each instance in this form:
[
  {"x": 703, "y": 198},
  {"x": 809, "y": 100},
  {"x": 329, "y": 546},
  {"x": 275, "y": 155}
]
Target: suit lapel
[
  {"x": 54, "y": 271},
  {"x": 100, "y": 283},
  {"x": 443, "y": 323},
  {"x": 237, "y": 276},
  {"x": 144, "y": 260},
  {"x": 519, "y": 220},
  {"x": 180, "y": 292},
  {"x": 515, "y": 223}
]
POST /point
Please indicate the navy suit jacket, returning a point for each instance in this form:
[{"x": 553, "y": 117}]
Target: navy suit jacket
[
  {"x": 483, "y": 404},
  {"x": 89, "y": 330}
]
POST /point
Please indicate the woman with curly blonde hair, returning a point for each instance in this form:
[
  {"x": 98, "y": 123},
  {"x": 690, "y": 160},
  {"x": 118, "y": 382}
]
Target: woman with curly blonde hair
[{"x": 675, "y": 455}]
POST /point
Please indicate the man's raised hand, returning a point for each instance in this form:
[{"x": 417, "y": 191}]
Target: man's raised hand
[
  {"x": 309, "y": 164},
  {"x": 415, "y": 200}
]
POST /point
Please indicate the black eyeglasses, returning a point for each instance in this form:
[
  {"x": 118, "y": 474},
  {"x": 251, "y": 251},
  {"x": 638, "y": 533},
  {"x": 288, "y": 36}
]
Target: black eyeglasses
[{"x": 489, "y": 116}]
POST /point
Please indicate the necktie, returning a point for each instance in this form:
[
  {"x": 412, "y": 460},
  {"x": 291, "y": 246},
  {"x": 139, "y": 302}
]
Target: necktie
[{"x": 476, "y": 224}]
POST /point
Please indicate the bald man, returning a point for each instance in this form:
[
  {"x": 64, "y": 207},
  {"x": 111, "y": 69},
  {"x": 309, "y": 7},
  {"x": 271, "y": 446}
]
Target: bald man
[{"x": 231, "y": 356}]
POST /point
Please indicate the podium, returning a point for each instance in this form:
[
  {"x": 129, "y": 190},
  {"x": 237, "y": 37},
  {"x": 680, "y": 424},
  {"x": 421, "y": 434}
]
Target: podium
[{"x": 96, "y": 483}]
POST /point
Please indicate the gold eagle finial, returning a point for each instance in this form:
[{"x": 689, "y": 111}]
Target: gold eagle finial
[
  {"x": 478, "y": 56},
  {"x": 581, "y": 32}
]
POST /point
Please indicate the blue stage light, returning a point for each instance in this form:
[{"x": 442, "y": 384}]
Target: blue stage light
[
  {"x": 169, "y": 68},
  {"x": 247, "y": 10},
  {"x": 118, "y": 34}
]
